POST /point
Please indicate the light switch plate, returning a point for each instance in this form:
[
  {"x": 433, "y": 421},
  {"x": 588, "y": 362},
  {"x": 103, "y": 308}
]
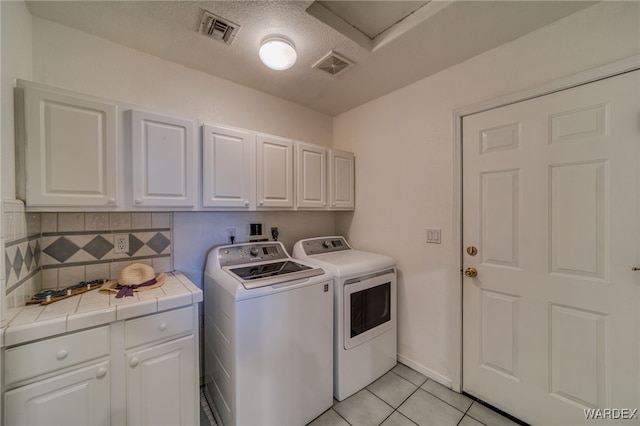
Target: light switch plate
[{"x": 433, "y": 235}]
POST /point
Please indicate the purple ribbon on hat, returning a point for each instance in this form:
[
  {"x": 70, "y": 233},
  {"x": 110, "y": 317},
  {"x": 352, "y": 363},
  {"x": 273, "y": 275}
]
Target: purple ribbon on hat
[{"x": 127, "y": 290}]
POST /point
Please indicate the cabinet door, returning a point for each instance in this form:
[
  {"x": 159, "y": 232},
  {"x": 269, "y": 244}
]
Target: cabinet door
[
  {"x": 311, "y": 176},
  {"x": 227, "y": 167},
  {"x": 78, "y": 398},
  {"x": 163, "y": 162},
  {"x": 341, "y": 180},
  {"x": 162, "y": 384},
  {"x": 71, "y": 150},
  {"x": 274, "y": 172}
]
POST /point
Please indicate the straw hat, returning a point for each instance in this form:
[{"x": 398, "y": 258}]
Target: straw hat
[{"x": 135, "y": 277}]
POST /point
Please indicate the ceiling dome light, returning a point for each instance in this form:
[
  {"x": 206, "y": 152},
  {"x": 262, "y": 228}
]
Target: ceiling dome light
[{"x": 278, "y": 53}]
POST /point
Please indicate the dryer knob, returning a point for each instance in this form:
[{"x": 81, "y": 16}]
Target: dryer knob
[
  {"x": 326, "y": 244},
  {"x": 254, "y": 251}
]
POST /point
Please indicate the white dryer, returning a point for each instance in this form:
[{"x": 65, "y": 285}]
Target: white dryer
[
  {"x": 268, "y": 335},
  {"x": 365, "y": 317}
]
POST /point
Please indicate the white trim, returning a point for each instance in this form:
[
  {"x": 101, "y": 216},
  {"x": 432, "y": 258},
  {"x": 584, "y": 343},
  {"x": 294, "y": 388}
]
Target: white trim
[
  {"x": 584, "y": 77},
  {"x": 445, "y": 381},
  {"x": 605, "y": 71}
]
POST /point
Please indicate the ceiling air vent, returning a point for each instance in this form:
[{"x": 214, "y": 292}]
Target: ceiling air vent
[
  {"x": 218, "y": 28},
  {"x": 333, "y": 63}
]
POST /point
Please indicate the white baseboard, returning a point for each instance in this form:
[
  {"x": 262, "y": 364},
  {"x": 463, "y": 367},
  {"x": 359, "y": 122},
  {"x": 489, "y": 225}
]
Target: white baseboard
[{"x": 445, "y": 381}]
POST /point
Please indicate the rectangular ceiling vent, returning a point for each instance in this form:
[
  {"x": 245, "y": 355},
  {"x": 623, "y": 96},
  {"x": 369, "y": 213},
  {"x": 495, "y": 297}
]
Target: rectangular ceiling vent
[
  {"x": 218, "y": 28},
  {"x": 333, "y": 63}
]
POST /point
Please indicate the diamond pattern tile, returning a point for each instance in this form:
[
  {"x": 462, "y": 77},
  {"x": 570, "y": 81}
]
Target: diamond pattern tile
[
  {"x": 158, "y": 243},
  {"x": 85, "y": 247},
  {"x": 134, "y": 244},
  {"x": 36, "y": 253},
  {"x": 28, "y": 257},
  {"x": 7, "y": 267},
  {"x": 17, "y": 263},
  {"x": 98, "y": 247},
  {"x": 21, "y": 259},
  {"x": 61, "y": 249}
]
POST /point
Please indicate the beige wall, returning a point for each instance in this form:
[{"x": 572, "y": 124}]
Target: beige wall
[
  {"x": 404, "y": 164},
  {"x": 70, "y": 59}
]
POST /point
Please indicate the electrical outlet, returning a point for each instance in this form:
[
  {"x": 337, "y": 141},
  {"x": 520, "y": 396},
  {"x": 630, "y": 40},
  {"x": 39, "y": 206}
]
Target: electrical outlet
[
  {"x": 121, "y": 243},
  {"x": 231, "y": 233}
]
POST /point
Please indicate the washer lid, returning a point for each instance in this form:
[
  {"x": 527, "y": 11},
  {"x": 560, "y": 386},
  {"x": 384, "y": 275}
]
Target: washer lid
[{"x": 265, "y": 274}]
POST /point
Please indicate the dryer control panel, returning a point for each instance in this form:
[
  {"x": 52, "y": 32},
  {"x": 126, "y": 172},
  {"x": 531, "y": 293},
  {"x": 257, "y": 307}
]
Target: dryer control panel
[{"x": 324, "y": 245}]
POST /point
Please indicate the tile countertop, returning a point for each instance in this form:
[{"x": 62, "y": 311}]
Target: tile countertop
[{"x": 95, "y": 308}]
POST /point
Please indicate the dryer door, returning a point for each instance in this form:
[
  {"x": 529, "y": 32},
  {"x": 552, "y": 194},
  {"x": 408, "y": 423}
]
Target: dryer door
[{"x": 369, "y": 307}]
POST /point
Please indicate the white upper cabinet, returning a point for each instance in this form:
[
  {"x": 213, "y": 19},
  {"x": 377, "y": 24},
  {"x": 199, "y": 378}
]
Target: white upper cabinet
[
  {"x": 80, "y": 153},
  {"x": 341, "y": 180},
  {"x": 274, "y": 170},
  {"x": 71, "y": 151},
  {"x": 311, "y": 176},
  {"x": 228, "y": 158},
  {"x": 164, "y": 169}
]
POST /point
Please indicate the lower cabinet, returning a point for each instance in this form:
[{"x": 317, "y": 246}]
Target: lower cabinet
[
  {"x": 76, "y": 398},
  {"x": 160, "y": 387},
  {"x": 144, "y": 369}
]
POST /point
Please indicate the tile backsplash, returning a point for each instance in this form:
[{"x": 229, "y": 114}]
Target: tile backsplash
[
  {"x": 21, "y": 257},
  {"x": 81, "y": 246},
  {"x": 56, "y": 250}
]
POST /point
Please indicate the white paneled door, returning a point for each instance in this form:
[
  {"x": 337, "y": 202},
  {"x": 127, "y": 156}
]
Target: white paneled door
[{"x": 551, "y": 327}]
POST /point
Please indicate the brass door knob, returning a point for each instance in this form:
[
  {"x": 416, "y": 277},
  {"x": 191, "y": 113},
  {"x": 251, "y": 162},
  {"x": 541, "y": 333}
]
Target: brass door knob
[{"x": 471, "y": 272}]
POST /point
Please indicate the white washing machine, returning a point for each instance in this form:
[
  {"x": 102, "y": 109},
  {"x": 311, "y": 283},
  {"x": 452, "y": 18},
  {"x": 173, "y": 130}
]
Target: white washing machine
[
  {"x": 268, "y": 335},
  {"x": 365, "y": 317}
]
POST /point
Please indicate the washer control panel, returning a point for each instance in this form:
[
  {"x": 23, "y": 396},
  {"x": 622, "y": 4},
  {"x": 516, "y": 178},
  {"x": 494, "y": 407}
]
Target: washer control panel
[
  {"x": 251, "y": 252},
  {"x": 325, "y": 245}
]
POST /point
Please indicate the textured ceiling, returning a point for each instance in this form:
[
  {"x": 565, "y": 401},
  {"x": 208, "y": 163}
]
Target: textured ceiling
[
  {"x": 372, "y": 18},
  {"x": 437, "y": 35}
]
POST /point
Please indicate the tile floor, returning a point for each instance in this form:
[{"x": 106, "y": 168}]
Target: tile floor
[{"x": 404, "y": 397}]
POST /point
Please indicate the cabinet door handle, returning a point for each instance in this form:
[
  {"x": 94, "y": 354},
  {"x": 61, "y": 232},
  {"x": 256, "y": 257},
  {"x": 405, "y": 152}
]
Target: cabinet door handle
[
  {"x": 134, "y": 362},
  {"x": 111, "y": 200},
  {"x": 101, "y": 372},
  {"x": 246, "y": 203},
  {"x": 62, "y": 354},
  {"x": 138, "y": 201},
  {"x": 261, "y": 203},
  {"x": 162, "y": 327}
]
